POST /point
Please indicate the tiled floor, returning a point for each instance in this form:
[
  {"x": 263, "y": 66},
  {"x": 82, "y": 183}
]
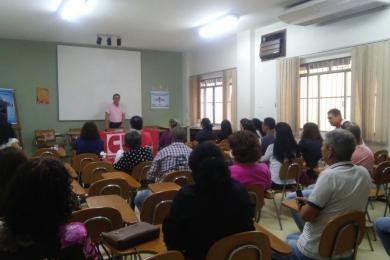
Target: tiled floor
[{"x": 269, "y": 221}]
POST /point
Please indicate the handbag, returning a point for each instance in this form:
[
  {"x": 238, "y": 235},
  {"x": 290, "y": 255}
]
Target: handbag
[{"x": 131, "y": 235}]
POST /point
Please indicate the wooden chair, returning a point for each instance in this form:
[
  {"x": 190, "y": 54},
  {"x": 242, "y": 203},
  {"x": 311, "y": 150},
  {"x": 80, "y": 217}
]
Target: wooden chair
[
  {"x": 47, "y": 152},
  {"x": 93, "y": 171},
  {"x": 45, "y": 138},
  {"x": 381, "y": 156},
  {"x": 109, "y": 187},
  {"x": 170, "y": 255},
  {"x": 342, "y": 234},
  {"x": 80, "y": 160},
  {"x": 98, "y": 220},
  {"x": 257, "y": 195},
  {"x": 246, "y": 245},
  {"x": 181, "y": 178},
  {"x": 381, "y": 176},
  {"x": 138, "y": 170},
  {"x": 156, "y": 207}
]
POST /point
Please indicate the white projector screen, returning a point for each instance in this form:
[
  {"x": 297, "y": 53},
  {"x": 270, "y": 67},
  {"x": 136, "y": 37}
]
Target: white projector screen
[{"x": 88, "y": 77}]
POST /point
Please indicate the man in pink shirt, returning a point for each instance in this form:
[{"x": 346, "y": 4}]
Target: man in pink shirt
[
  {"x": 362, "y": 155},
  {"x": 115, "y": 113}
]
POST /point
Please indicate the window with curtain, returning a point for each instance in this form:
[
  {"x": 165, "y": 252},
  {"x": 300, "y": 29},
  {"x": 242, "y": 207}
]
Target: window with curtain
[
  {"x": 211, "y": 99},
  {"x": 325, "y": 85}
]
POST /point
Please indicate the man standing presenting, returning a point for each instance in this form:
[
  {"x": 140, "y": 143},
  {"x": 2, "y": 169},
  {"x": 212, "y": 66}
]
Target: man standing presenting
[{"x": 115, "y": 113}]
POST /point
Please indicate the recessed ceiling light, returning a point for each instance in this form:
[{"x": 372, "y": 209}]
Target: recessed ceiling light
[
  {"x": 220, "y": 26},
  {"x": 73, "y": 9}
]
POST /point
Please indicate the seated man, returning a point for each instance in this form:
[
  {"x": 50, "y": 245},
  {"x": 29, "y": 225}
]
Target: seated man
[
  {"x": 172, "y": 158},
  {"x": 341, "y": 188}
]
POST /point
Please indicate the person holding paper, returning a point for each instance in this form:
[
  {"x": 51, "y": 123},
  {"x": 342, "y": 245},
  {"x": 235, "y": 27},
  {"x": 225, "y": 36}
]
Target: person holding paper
[{"x": 115, "y": 113}]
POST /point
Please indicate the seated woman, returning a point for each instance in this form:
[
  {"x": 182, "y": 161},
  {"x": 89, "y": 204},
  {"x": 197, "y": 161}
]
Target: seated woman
[
  {"x": 248, "y": 125},
  {"x": 134, "y": 154},
  {"x": 259, "y": 127},
  {"x": 89, "y": 140},
  {"x": 214, "y": 207},
  {"x": 36, "y": 210},
  {"x": 246, "y": 151},
  {"x": 7, "y": 136},
  {"x": 310, "y": 148},
  {"x": 284, "y": 148},
  {"x": 226, "y": 130},
  {"x": 166, "y": 137},
  {"x": 206, "y": 134}
]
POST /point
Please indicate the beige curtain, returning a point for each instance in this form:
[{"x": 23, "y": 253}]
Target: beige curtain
[
  {"x": 370, "y": 90},
  {"x": 288, "y": 92},
  {"x": 230, "y": 96},
  {"x": 194, "y": 99}
]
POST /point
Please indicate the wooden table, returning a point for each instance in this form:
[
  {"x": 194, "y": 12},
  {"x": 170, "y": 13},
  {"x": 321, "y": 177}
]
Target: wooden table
[
  {"x": 122, "y": 175},
  {"x": 277, "y": 244},
  {"x": 77, "y": 189},
  {"x": 72, "y": 173},
  {"x": 163, "y": 186},
  {"x": 116, "y": 202},
  {"x": 291, "y": 204}
]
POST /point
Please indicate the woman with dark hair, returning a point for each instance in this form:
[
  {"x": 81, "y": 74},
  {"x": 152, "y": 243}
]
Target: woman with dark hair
[
  {"x": 36, "y": 209},
  {"x": 247, "y": 151},
  {"x": 206, "y": 134},
  {"x": 310, "y": 148},
  {"x": 259, "y": 127},
  {"x": 284, "y": 148},
  {"x": 248, "y": 125},
  {"x": 89, "y": 140},
  {"x": 166, "y": 137},
  {"x": 7, "y": 136},
  {"x": 214, "y": 207},
  {"x": 226, "y": 130}
]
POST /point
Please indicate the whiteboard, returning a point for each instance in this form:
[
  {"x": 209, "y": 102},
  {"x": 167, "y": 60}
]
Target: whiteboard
[{"x": 88, "y": 78}]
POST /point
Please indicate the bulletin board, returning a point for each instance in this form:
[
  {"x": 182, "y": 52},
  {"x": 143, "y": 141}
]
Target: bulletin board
[{"x": 7, "y": 99}]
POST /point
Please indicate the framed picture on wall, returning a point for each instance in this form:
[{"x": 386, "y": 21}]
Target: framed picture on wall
[{"x": 159, "y": 99}]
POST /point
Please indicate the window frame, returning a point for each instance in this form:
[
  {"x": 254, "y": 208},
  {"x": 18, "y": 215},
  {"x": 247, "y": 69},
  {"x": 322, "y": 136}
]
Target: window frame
[{"x": 215, "y": 80}]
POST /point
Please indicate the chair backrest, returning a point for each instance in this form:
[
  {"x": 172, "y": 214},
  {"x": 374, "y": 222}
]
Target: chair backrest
[
  {"x": 93, "y": 171},
  {"x": 256, "y": 193},
  {"x": 342, "y": 234},
  {"x": 110, "y": 187},
  {"x": 74, "y": 132},
  {"x": 157, "y": 206},
  {"x": 80, "y": 160},
  {"x": 169, "y": 255},
  {"x": 291, "y": 169},
  {"x": 137, "y": 170},
  {"x": 45, "y": 135},
  {"x": 47, "y": 152},
  {"x": 380, "y": 156},
  {"x": 246, "y": 245},
  {"x": 98, "y": 220},
  {"x": 382, "y": 173},
  {"x": 224, "y": 145},
  {"x": 181, "y": 178}
]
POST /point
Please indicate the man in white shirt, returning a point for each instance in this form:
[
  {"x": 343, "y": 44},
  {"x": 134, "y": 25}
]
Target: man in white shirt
[
  {"x": 341, "y": 188},
  {"x": 115, "y": 113}
]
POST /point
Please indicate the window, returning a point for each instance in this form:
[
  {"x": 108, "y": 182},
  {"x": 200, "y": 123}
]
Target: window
[
  {"x": 211, "y": 99},
  {"x": 325, "y": 85}
]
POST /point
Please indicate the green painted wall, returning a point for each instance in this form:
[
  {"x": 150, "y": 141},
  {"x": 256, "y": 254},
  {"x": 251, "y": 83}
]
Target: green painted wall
[{"x": 24, "y": 65}]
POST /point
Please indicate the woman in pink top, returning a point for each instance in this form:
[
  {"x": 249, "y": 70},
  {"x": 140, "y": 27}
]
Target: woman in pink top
[{"x": 247, "y": 151}]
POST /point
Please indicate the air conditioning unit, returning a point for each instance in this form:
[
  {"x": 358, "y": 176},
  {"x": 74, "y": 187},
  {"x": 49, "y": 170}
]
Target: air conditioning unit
[{"x": 320, "y": 11}]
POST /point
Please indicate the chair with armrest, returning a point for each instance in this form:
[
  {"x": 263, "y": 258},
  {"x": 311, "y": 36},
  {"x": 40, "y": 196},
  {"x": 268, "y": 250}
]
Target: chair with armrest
[
  {"x": 181, "y": 178},
  {"x": 80, "y": 160},
  {"x": 256, "y": 194},
  {"x": 45, "y": 138},
  {"x": 380, "y": 156},
  {"x": 110, "y": 187},
  {"x": 93, "y": 171},
  {"x": 47, "y": 152},
  {"x": 157, "y": 206},
  {"x": 169, "y": 255}
]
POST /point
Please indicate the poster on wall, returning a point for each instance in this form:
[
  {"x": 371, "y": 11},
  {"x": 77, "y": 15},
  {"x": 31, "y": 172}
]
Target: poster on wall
[
  {"x": 8, "y": 106},
  {"x": 42, "y": 95},
  {"x": 159, "y": 99}
]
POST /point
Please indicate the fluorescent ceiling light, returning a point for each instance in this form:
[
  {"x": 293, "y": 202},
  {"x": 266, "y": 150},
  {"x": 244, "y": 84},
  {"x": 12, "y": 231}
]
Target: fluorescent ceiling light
[
  {"x": 73, "y": 9},
  {"x": 220, "y": 26}
]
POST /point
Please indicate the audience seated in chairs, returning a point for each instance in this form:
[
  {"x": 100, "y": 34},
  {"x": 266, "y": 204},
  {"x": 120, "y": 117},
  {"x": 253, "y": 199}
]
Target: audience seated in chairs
[
  {"x": 126, "y": 161},
  {"x": 137, "y": 123},
  {"x": 206, "y": 134},
  {"x": 226, "y": 130},
  {"x": 36, "y": 209},
  {"x": 166, "y": 137},
  {"x": 172, "y": 158},
  {"x": 284, "y": 148},
  {"x": 89, "y": 140},
  {"x": 310, "y": 148},
  {"x": 269, "y": 129},
  {"x": 341, "y": 188},
  {"x": 214, "y": 207},
  {"x": 7, "y": 136},
  {"x": 246, "y": 152},
  {"x": 259, "y": 127}
]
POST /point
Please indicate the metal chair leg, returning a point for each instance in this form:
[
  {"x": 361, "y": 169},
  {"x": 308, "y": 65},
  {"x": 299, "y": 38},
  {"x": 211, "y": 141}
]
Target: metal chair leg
[
  {"x": 369, "y": 240},
  {"x": 277, "y": 213}
]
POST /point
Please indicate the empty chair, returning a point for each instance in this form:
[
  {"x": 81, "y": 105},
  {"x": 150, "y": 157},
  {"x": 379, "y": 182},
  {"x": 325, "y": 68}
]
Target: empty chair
[
  {"x": 45, "y": 138},
  {"x": 381, "y": 176},
  {"x": 381, "y": 156},
  {"x": 181, "y": 178},
  {"x": 257, "y": 195},
  {"x": 92, "y": 171},
  {"x": 157, "y": 206},
  {"x": 80, "y": 160},
  {"x": 249, "y": 245},
  {"x": 46, "y": 152},
  {"x": 109, "y": 187}
]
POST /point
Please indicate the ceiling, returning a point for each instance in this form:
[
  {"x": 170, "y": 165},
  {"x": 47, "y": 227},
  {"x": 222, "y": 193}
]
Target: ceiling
[{"x": 145, "y": 24}]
